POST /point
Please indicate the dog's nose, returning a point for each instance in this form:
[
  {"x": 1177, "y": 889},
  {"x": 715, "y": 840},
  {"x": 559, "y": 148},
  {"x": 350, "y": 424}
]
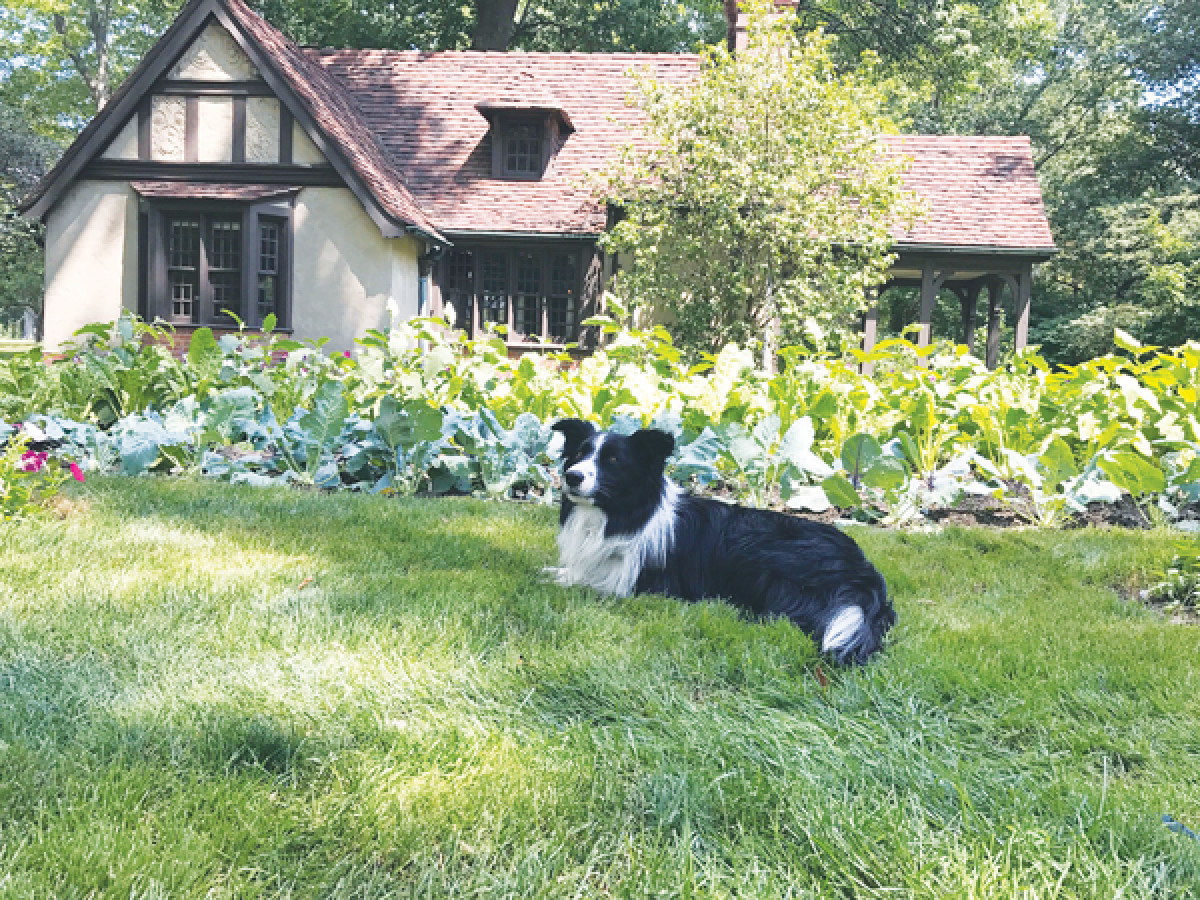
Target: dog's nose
[{"x": 573, "y": 479}]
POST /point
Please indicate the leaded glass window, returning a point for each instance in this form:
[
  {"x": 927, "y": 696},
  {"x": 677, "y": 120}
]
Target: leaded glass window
[
  {"x": 523, "y": 150},
  {"x": 268, "y": 269},
  {"x": 495, "y": 287},
  {"x": 183, "y": 268},
  {"x": 526, "y": 309}
]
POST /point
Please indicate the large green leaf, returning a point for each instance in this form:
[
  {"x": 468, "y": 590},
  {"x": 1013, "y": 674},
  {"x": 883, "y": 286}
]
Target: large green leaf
[
  {"x": 859, "y": 454},
  {"x": 324, "y": 421},
  {"x": 1058, "y": 463},
  {"x": 886, "y": 473},
  {"x": 204, "y": 353},
  {"x": 1133, "y": 472},
  {"x": 841, "y": 493}
]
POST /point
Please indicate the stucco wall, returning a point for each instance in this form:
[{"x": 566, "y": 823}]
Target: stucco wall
[
  {"x": 304, "y": 151},
  {"x": 168, "y": 128},
  {"x": 214, "y": 129},
  {"x": 214, "y": 56},
  {"x": 345, "y": 271},
  {"x": 262, "y": 130},
  {"x": 125, "y": 144},
  {"x": 91, "y": 258}
]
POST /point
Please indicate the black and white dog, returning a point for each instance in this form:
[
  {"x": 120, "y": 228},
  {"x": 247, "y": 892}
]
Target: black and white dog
[{"x": 627, "y": 528}]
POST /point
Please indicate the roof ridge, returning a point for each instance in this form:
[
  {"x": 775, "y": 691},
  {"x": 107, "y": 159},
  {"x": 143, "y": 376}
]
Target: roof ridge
[{"x": 512, "y": 54}]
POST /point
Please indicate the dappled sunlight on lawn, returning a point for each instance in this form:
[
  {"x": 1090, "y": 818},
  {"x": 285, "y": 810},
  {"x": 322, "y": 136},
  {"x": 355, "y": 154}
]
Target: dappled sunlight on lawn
[{"x": 221, "y": 687}]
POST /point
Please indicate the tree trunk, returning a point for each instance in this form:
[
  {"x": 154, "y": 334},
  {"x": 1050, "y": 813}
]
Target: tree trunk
[
  {"x": 99, "y": 17},
  {"x": 494, "y": 24},
  {"x": 99, "y": 81}
]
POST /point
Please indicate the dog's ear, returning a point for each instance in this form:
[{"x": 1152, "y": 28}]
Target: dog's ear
[
  {"x": 576, "y": 431},
  {"x": 652, "y": 445}
]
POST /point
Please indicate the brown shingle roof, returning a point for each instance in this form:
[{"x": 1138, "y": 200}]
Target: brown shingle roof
[
  {"x": 407, "y": 128},
  {"x": 981, "y": 192},
  {"x": 423, "y": 107},
  {"x": 336, "y": 113}
]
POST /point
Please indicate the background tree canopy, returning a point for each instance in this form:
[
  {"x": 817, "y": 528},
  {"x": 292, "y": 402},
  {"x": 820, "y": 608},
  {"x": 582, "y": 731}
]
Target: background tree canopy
[{"x": 1107, "y": 89}]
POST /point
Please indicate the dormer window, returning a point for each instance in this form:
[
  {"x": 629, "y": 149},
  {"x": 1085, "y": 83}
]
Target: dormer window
[
  {"x": 523, "y": 151},
  {"x": 525, "y": 136}
]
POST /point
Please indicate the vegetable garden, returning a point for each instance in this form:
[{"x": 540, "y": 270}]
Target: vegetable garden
[{"x": 420, "y": 409}]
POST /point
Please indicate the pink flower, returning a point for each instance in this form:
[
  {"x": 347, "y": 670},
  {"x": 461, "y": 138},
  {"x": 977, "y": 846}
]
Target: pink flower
[
  {"x": 33, "y": 462},
  {"x": 346, "y": 353},
  {"x": 76, "y": 472}
]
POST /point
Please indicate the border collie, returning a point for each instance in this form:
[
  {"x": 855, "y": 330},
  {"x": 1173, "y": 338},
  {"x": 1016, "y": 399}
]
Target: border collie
[{"x": 626, "y": 528}]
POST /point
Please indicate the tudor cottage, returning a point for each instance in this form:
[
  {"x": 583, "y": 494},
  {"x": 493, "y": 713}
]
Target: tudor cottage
[{"x": 237, "y": 173}]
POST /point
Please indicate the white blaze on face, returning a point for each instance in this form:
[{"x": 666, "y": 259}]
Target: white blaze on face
[{"x": 588, "y": 469}]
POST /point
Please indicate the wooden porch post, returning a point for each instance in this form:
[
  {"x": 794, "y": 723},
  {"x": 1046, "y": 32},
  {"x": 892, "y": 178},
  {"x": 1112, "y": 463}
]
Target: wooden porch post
[
  {"x": 995, "y": 289},
  {"x": 1024, "y": 292},
  {"x": 870, "y": 328},
  {"x": 928, "y": 299},
  {"x": 970, "y": 300}
]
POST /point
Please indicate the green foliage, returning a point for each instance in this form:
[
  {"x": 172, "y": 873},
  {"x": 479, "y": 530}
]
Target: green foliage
[
  {"x": 24, "y": 157},
  {"x": 423, "y": 409},
  {"x": 28, "y": 481},
  {"x": 761, "y": 205},
  {"x": 571, "y": 25},
  {"x": 60, "y": 60},
  {"x": 1177, "y": 585}
]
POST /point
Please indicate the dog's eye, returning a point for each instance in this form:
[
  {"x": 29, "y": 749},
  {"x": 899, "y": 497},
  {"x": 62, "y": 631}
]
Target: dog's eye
[{"x": 609, "y": 457}]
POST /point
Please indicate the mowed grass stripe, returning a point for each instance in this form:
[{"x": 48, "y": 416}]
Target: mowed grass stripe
[{"x": 211, "y": 691}]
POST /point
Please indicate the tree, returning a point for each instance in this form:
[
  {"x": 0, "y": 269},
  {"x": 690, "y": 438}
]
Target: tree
[
  {"x": 24, "y": 157},
  {"x": 64, "y": 58},
  {"x": 761, "y": 201},
  {"x": 573, "y": 25}
]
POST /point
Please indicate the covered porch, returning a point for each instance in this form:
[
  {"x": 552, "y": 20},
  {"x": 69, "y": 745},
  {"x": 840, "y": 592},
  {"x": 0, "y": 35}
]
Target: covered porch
[{"x": 989, "y": 284}]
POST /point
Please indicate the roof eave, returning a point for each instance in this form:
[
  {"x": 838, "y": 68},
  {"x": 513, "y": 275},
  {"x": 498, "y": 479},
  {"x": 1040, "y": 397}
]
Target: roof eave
[{"x": 1042, "y": 252}]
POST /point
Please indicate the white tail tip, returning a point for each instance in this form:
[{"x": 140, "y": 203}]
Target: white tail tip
[{"x": 843, "y": 628}]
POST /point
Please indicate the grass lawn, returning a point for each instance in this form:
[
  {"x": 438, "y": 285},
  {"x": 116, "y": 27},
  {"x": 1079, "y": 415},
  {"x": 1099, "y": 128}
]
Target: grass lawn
[{"x": 211, "y": 691}]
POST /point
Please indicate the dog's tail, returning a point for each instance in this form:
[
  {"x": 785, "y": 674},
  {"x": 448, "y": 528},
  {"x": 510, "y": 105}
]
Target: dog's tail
[{"x": 859, "y": 618}]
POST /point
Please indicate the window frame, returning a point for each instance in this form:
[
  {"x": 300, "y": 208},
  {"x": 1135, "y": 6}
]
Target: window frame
[
  {"x": 156, "y": 219},
  {"x": 502, "y": 125},
  {"x": 463, "y": 288}
]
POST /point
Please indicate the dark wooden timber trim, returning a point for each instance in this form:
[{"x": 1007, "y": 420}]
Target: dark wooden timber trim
[
  {"x": 286, "y": 124},
  {"x": 144, "y": 115},
  {"x": 969, "y": 259},
  {"x": 220, "y": 88},
  {"x": 495, "y": 240},
  {"x": 239, "y": 129},
  {"x": 240, "y": 173},
  {"x": 191, "y": 128}
]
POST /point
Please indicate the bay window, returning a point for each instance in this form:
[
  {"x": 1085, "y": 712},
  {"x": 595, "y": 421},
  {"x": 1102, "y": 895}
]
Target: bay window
[{"x": 217, "y": 264}]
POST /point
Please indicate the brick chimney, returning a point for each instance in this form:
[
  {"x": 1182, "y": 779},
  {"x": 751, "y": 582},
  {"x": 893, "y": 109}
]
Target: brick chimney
[
  {"x": 736, "y": 36},
  {"x": 737, "y": 23}
]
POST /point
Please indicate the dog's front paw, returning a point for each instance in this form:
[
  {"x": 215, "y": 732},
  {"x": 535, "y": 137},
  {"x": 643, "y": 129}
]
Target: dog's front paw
[{"x": 555, "y": 575}]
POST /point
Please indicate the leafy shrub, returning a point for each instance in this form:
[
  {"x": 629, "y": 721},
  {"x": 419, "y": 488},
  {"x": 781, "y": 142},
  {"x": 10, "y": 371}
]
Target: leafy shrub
[
  {"x": 421, "y": 408},
  {"x": 28, "y": 478}
]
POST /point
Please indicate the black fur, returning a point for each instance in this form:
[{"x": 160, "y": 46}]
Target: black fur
[{"x": 765, "y": 562}]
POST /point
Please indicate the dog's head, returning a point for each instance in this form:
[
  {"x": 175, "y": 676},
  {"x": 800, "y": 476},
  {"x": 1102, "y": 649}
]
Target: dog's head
[{"x": 612, "y": 471}]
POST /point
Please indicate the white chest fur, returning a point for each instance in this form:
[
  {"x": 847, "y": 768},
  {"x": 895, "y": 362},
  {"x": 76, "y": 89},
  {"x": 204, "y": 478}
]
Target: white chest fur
[{"x": 612, "y": 564}]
